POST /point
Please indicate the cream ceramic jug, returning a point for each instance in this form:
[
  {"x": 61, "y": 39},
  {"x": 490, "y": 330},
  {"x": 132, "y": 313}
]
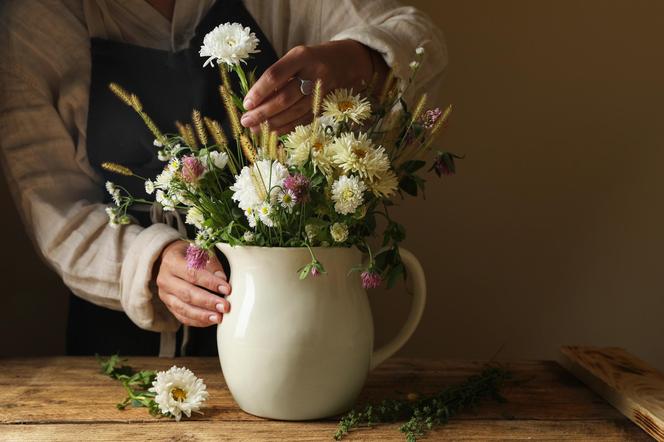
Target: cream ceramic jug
[{"x": 294, "y": 349}]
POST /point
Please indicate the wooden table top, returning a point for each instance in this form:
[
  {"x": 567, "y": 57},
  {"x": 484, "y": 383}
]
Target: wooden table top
[{"x": 49, "y": 399}]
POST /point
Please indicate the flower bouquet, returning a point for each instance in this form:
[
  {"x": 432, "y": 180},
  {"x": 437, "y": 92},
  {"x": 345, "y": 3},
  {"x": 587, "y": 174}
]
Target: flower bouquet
[{"x": 325, "y": 184}]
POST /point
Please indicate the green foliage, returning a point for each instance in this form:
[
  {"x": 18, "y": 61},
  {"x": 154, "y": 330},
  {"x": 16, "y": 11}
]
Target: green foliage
[
  {"x": 423, "y": 415},
  {"x": 135, "y": 383}
]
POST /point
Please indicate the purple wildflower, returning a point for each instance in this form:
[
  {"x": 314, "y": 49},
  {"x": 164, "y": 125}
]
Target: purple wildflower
[
  {"x": 192, "y": 168},
  {"x": 197, "y": 258},
  {"x": 443, "y": 165},
  {"x": 430, "y": 117},
  {"x": 299, "y": 185},
  {"x": 371, "y": 279},
  {"x": 315, "y": 271}
]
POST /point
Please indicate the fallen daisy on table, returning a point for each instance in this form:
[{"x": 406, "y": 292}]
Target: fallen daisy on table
[
  {"x": 169, "y": 393},
  {"x": 178, "y": 391}
]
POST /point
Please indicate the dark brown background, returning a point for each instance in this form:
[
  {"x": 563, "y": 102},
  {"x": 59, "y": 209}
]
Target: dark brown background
[{"x": 551, "y": 233}]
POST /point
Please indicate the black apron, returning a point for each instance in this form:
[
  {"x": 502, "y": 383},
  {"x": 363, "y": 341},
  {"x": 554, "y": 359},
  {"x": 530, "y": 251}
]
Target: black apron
[{"x": 170, "y": 85}]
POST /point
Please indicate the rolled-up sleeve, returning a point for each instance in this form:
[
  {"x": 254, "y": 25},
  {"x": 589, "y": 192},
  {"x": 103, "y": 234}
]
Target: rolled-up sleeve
[
  {"x": 61, "y": 203},
  {"x": 394, "y": 31}
]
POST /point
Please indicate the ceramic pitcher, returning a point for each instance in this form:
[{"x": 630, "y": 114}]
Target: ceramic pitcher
[{"x": 294, "y": 349}]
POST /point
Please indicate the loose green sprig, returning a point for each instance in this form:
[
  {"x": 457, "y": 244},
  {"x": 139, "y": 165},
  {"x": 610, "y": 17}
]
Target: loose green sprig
[
  {"x": 423, "y": 415},
  {"x": 135, "y": 383}
]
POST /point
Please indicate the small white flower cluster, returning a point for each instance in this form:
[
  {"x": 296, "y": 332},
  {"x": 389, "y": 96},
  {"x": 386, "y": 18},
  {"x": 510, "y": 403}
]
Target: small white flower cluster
[{"x": 178, "y": 391}]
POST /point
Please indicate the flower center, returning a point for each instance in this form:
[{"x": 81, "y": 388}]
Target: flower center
[
  {"x": 359, "y": 153},
  {"x": 230, "y": 42},
  {"x": 345, "y": 105},
  {"x": 347, "y": 194},
  {"x": 317, "y": 146},
  {"x": 178, "y": 394}
]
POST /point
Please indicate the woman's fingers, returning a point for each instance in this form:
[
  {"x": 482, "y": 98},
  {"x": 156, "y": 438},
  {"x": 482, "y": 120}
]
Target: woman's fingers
[
  {"x": 190, "y": 315},
  {"x": 276, "y": 76},
  {"x": 284, "y": 99},
  {"x": 288, "y": 127},
  {"x": 204, "y": 278},
  {"x": 296, "y": 112},
  {"x": 196, "y": 296}
]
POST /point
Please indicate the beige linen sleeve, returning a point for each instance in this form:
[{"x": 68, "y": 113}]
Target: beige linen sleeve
[
  {"x": 394, "y": 31},
  {"x": 60, "y": 203}
]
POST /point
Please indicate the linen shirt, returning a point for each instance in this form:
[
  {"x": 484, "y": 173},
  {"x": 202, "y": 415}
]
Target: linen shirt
[{"x": 44, "y": 91}]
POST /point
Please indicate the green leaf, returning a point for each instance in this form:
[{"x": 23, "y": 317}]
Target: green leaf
[
  {"x": 394, "y": 274},
  {"x": 413, "y": 166},
  {"x": 408, "y": 185}
]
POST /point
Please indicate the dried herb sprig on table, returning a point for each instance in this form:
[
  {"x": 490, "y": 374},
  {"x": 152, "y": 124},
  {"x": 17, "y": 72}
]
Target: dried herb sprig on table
[
  {"x": 422, "y": 415},
  {"x": 135, "y": 383}
]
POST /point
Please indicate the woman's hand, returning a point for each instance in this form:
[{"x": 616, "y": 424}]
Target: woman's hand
[
  {"x": 192, "y": 295},
  {"x": 276, "y": 96}
]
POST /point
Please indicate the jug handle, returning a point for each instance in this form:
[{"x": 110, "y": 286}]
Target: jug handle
[{"x": 416, "y": 274}]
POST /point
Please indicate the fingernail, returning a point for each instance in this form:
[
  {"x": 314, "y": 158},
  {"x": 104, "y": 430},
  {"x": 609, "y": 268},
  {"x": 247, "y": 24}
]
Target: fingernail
[
  {"x": 247, "y": 120},
  {"x": 248, "y": 103},
  {"x": 214, "y": 318},
  {"x": 223, "y": 289},
  {"x": 220, "y": 274},
  {"x": 220, "y": 308}
]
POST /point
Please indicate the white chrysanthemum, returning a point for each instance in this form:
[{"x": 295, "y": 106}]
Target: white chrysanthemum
[
  {"x": 347, "y": 194},
  {"x": 287, "y": 200},
  {"x": 195, "y": 217},
  {"x": 114, "y": 192},
  {"x": 339, "y": 232},
  {"x": 385, "y": 185},
  {"x": 149, "y": 187},
  {"x": 341, "y": 105},
  {"x": 248, "y": 236},
  {"x": 356, "y": 153},
  {"x": 252, "y": 186},
  {"x": 265, "y": 214},
  {"x": 219, "y": 159},
  {"x": 228, "y": 43},
  {"x": 309, "y": 142},
  {"x": 178, "y": 391}
]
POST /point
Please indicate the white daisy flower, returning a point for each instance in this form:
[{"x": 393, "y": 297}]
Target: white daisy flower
[
  {"x": 252, "y": 186},
  {"x": 265, "y": 214},
  {"x": 347, "y": 194},
  {"x": 311, "y": 231},
  {"x": 219, "y": 159},
  {"x": 163, "y": 156},
  {"x": 306, "y": 143},
  {"x": 163, "y": 180},
  {"x": 112, "y": 216},
  {"x": 157, "y": 143},
  {"x": 248, "y": 236},
  {"x": 167, "y": 203},
  {"x": 149, "y": 187},
  {"x": 250, "y": 213},
  {"x": 287, "y": 200},
  {"x": 228, "y": 43},
  {"x": 178, "y": 392},
  {"x": 195, "y": 217},
  {"x": 339, "y": 232},
  {"x": 356, "y": 153},
  {"x": 114, "y": 192},
  {"x": 342, "y": 106},
  {"x": 174, "y": 165},
  {"x": 385, "y": 185}
]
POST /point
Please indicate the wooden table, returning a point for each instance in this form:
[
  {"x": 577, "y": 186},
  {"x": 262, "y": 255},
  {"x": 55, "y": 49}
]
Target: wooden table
[{"x": 67, "y": 398}]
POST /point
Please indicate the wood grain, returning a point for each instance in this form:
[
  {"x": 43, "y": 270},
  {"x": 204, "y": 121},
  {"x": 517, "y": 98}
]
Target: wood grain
[
  {"x": 627, "y": 382},
  {"x": 56, "y": 398}
]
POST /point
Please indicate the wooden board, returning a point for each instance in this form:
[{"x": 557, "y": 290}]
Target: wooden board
[
  {"x": 627, "y": 382},
  {"x": 62, "y": 398}
]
